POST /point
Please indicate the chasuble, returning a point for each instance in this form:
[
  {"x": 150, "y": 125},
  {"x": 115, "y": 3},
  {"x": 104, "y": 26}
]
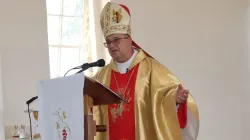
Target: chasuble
[{"x": 151, "y": 112}]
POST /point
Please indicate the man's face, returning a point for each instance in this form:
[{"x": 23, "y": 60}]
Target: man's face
[{"x": 118, "y": 45}]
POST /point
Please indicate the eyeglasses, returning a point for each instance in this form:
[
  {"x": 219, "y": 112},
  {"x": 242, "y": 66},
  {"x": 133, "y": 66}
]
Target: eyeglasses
[{"x": 115, "y": 42}]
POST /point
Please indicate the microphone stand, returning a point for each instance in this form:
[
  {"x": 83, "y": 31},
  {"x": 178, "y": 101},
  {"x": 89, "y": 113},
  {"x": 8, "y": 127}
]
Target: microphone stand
[
  {"x": 85, "y": 66},
  {"x": 28, "y": 103},
  {"x": 31, "y": 137},
  {"x": 69, "y": 71},
  {"x": 83, "y": 69},
  {"x": 80, "y": 71}
]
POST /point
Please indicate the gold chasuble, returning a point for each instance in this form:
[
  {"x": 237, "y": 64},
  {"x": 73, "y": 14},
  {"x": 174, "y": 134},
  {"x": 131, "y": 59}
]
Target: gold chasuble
[{"x": 151, "y": 112}]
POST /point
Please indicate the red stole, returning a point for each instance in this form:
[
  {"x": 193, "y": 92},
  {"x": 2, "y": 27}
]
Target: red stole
[{"x": 123, "y": 127}]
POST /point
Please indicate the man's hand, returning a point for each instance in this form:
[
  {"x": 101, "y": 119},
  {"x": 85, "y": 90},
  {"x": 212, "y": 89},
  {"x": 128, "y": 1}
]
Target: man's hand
[{"x": 181, "y": 95}]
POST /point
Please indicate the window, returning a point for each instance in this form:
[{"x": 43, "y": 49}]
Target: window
[{"x": 68, "y": 35}]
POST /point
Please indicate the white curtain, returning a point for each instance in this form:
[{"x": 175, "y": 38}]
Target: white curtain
[
  {"x": 94, "y": 32},
  {"x": 89, "y": 34}
]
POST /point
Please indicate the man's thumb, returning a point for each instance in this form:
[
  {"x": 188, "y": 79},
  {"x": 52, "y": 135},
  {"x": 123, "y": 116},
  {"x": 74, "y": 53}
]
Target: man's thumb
[{"x": 180, "y": 87}]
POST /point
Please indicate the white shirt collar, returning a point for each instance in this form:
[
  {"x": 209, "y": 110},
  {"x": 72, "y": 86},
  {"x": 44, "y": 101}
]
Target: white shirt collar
[{"x": 123, "y": 67}]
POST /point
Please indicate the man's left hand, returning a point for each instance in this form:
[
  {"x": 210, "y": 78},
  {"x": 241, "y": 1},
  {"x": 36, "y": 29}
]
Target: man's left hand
[{"x": 181, "y": 95}]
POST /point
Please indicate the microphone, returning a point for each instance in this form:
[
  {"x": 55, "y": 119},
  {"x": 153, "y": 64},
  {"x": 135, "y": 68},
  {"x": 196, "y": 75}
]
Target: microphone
[
  {"x": 31, "y": 100},
  {"x": 99, "y": 63}
]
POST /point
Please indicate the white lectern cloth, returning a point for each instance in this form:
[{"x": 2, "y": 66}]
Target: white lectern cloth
[{"x": 61, "y": 108}]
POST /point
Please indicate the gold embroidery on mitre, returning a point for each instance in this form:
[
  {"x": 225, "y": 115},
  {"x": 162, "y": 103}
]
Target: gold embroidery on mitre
[
  {"x": 117, "y": 16},
  {"x": 102, "y": 23},
  {"x": 125, "y": 29},
  {"x": 105, "y": 17},
  {"x": 114, "y": 20}
]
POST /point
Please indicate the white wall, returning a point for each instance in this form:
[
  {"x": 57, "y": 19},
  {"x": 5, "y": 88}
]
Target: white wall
[
  {"x": 204, "y": 44},
  {"x": 25, "y": 57},
  {"x": 2, "y": 134},
  {"x": 246, "y": 115},
  {"x": 102, "y": 52}
]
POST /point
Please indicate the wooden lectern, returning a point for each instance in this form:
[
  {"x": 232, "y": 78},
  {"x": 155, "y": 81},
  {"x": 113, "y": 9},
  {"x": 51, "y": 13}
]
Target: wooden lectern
[{"x": 96, "y": 93}]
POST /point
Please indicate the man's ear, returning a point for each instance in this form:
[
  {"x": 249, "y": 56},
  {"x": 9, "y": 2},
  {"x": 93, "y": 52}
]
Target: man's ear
[{"x": 128, "y": 36}]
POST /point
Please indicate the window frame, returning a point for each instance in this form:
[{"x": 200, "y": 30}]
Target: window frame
[{"x": 85, "y": 42}]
